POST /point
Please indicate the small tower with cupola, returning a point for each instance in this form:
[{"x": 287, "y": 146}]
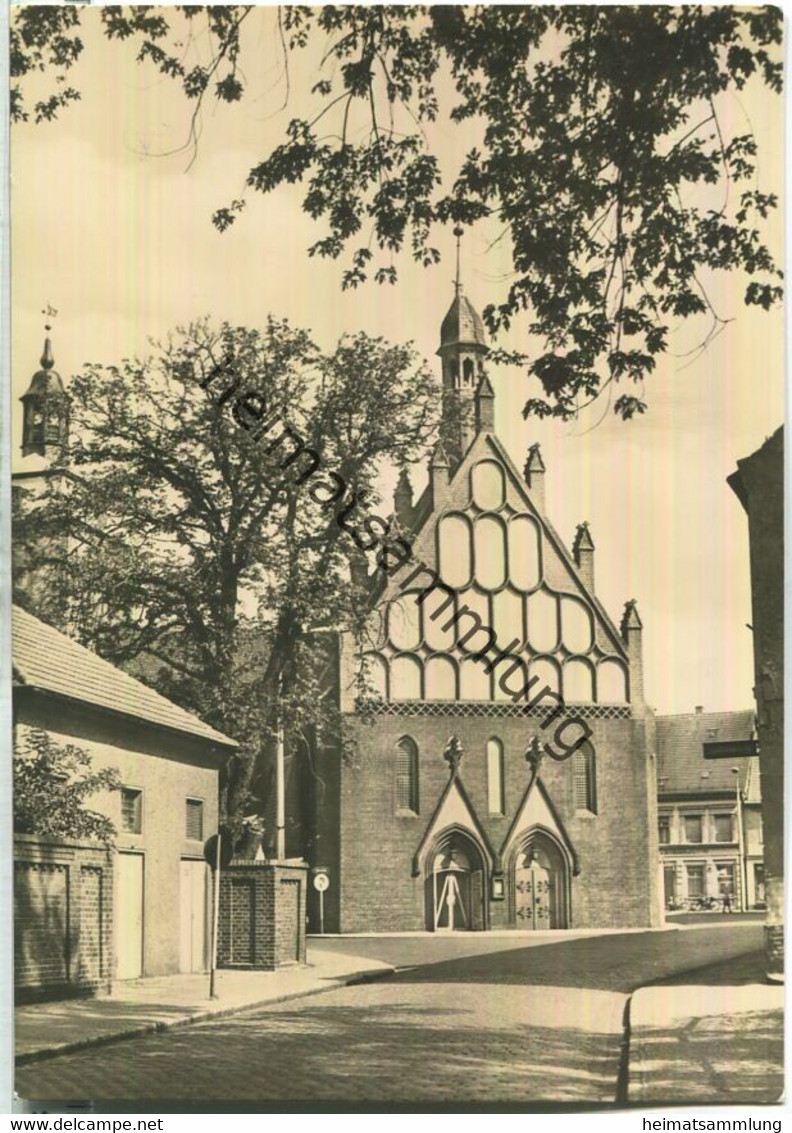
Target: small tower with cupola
[
  {"x": 45, "y": 421},
  {"x": 463, "y": 346}
]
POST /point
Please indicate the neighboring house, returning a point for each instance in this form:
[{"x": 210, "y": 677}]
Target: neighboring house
[
  {"x": 412, "y": 836},
  {"x": 759, "y": 485},
  {"x": 709, "y": 810},
  {"x": 158, "y": 889}
]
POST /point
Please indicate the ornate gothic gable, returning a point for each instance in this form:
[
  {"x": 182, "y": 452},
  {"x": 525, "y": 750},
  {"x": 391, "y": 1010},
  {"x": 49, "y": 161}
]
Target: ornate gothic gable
[{"x": 512, "y": 589}]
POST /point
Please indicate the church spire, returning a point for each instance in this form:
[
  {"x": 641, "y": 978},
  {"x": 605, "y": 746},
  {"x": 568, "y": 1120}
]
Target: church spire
[{"x": 463, "y": 345}]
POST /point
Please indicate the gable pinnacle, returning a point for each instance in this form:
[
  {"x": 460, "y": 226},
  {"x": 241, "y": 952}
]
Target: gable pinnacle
[
  {"x": 534, "y": 463},
  {"x": 583, "y": 540},
  {"x": 631, "y": 619},
  {"x": 452, "y": 754},
  {"x": 439, "y": 457}
]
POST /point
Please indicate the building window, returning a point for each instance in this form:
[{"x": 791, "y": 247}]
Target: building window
[
  {"x": 693, "y": 828},
  {"x": 664, "y": 831},
  {"x": 725, "y": 878},
  {"x": 194, "y": 820},
  {"x": 497, "y": 804},
  {"x": 131, "y": 810},
  {"x": 407, "y": 776},
  {"x": 723, "y": 828},
  {"x": 584, "y": 787},
  {"x": 695, "y": 880}
]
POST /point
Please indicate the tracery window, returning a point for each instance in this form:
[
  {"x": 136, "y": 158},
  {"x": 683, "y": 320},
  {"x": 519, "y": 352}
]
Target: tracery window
[
  {"x": 407, "y": 776},
  {"x": 584, "y": 786}
]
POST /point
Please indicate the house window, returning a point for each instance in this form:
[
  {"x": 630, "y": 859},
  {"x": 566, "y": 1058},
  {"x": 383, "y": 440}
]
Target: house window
[
  {"x": 495, "y": 777},
  {"x": 194, "y": 820},
  {"x": 584, "y": 788},
  {"x": 131, "y": 810},
  {"x": 407, "y": 776},
  {"x": 723, "y": 828},
  {"x": 695, "y": 880},
  {"x": 693, "y": 828},
  {"x": 664, "y": 831},
  {"x": 725, "y": 878}
]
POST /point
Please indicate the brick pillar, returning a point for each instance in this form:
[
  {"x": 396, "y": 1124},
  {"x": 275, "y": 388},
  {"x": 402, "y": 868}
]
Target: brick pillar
[{"x": 262, "y": 915}]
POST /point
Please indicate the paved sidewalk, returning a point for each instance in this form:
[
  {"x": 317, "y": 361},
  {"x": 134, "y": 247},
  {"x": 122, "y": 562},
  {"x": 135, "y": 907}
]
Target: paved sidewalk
[
  {"x": 714, "y": 1035},
  {"x": 138, "y": 1007}
]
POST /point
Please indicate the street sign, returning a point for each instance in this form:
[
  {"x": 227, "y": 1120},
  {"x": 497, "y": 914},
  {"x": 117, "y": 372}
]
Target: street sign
[
  {"x": 730, "y": 749},
  {"x": 226, "y": 849},
  {"x": 321, "y": 883}
]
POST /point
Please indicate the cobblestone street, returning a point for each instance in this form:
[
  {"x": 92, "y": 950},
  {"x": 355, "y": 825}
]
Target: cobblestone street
[{"x": 536, "y": 1022}]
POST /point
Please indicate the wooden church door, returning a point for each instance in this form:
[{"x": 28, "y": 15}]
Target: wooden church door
[{"x": 535, "y": 891}]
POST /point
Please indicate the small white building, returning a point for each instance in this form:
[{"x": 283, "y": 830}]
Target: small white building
[{"x": 151, "y": 917}]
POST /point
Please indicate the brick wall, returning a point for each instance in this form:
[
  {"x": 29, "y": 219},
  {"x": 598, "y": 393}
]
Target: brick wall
[
  {"x": 63, "y": 899},
  {"x": 262, "y": 915},
  {"x": 371, "y": 870}
]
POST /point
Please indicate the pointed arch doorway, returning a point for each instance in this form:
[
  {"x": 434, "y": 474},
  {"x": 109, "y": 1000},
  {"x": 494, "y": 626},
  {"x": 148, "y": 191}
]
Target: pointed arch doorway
[
  {"x": 540, "y": 884},
  {"x": 455, "y": 885}
]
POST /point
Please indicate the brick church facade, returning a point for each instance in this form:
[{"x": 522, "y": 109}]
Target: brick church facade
[{"x": 432, "y": 811}]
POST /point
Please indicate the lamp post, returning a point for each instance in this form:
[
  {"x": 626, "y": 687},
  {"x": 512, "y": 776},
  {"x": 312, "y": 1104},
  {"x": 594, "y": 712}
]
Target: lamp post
[{"x": 741, "y": 844}]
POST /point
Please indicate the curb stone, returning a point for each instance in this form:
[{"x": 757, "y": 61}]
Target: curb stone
[{"x": 44, "y": 1054}]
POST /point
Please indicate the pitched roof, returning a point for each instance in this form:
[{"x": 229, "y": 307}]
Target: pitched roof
[
  {"x": 462, "y": 325},
  {"x": 681, "y": 766},
  {"x": 46, "y": 659}
]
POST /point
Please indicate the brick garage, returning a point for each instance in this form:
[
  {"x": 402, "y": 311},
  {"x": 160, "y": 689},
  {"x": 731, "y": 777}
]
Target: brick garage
[{"x": 63, "y": 902}]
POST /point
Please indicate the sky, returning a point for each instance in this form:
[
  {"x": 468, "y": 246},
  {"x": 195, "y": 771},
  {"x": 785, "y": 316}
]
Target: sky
[{"x": 118, "y": 239}]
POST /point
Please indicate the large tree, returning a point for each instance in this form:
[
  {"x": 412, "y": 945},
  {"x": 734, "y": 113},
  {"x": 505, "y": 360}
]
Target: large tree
[
  {"x": 217, "y": 503},
  {"x": 602, "y": 152}
]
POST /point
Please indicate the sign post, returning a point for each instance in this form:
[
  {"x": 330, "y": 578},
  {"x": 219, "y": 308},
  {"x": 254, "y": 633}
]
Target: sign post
[
  {"x": 321, "y": 885},
  {"x": 217, "y": 853},
  {"x": 215, "y": 918}
]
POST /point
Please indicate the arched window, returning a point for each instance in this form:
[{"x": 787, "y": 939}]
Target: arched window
[
  {"x": 495, "y": 797},
  {"x": 407, "y": 776},
  {"x": 467, "y": 370},
  {"x": 584, "y": 779}
]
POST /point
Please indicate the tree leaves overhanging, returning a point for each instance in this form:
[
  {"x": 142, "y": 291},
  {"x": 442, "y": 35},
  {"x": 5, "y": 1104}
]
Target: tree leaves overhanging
[{"x": 602, "y": 155}]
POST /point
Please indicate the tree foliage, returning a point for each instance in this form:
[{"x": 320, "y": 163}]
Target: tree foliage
[
  {"x": 204, "y": 559},
  {"x": 52, "y": 783},
  {"x": 603, "y": 155}
]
